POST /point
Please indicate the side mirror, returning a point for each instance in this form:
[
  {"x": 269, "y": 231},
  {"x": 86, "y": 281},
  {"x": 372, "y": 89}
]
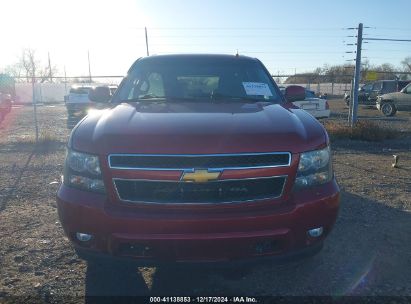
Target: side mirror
[
  {"x": 294, "y": 93},
  {"x": 100, "y": 94}
]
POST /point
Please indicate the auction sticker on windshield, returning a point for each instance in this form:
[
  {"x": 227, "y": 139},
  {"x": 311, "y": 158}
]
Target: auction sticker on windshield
[{"x": 257, "y": 88}]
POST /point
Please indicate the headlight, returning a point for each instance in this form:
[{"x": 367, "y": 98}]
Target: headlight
[
  {"x": 82, "y": 162},
  {"x": 83, "y": 171},
  {"x": 314, "y": 168}
]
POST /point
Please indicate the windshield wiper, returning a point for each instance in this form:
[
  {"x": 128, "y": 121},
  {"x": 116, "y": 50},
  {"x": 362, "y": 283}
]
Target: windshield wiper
[
  {"x": 144, "y": 98},
  {"x": 214, "y": 97},
  {"x": 159, "y": 98},
  {"x": 177, "y": 98}
]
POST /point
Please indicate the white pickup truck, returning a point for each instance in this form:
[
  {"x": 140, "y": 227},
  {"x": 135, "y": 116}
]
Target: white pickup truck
[
  {"x": 77, "y": 101},
  {"x": 317, "y": 107}
]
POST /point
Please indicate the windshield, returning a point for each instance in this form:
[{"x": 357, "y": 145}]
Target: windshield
[
  {"x": 367, "y": 87},
  {"x": 198, "y": 80},
  {"x": 309, "y": 94},
  {"x": 80, "y": 90}
]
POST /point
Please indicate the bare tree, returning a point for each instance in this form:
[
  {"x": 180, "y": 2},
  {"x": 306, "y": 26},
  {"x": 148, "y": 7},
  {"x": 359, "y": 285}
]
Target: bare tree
[
  {"x": 47, "y": 73},
  {"x": 385, "y": 71},
  {"x": 32, "y": 68},
  {"x": 29, "y": 63},
  {"x": 406, "y": 64}
]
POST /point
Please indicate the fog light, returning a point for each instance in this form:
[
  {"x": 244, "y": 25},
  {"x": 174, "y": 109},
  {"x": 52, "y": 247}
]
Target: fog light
[
  {"x": 83, "y": 237},
  {"x": 316, "y": 232}
]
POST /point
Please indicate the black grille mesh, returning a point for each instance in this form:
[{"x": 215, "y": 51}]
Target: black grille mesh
[{"x": 209, "y": 192}]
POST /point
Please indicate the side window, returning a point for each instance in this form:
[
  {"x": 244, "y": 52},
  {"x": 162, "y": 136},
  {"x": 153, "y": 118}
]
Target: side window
[
  {"x": 408, "y": 89},
  {"x": 367, "y": 87},
  {"x": 390, "y": 86},
  {"x": 377, "y": 86}
]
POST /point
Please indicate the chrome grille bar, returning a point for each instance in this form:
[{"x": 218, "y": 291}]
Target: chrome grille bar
[{"x": 199, "y": 161}]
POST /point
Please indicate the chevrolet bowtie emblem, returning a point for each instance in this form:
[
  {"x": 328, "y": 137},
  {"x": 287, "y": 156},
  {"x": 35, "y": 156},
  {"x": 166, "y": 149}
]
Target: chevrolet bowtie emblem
[{"x": 200, "y": 176}]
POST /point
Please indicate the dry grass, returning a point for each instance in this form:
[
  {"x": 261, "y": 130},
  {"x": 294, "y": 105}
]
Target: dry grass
[
  {"x": 45, "y": 138},
  {"x": 46, "y": 143},
  {"x": 363, "y": 130}
]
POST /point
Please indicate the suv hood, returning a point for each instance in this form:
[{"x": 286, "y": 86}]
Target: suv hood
[
  {"x": 198, "y": 128},
  {"x": 391, "y": 95}
]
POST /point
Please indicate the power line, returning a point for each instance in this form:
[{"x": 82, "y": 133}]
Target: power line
[
  {"x": 241, "y": 52},
  {"x": 400, "y": 51},
  {"x": 392, "y": 28},
  {"x": 244, "y": 28},
  {"x": 387, "y": 39},
  {"x": 243, "y": 36},
  {"x": 382, "y": 35},
  {"x": 383, "y": 58}
]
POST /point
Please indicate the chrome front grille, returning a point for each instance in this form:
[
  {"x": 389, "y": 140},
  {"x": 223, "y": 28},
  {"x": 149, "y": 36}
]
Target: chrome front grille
[
  {"x": 207, "y": 161},
  {"x": 198, "y": 191}
]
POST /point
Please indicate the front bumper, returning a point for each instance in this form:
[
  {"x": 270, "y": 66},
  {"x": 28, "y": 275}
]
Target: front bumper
[
  {"x": 319, "y": 113},
  {"x": 79, "y": 108},
  {"x": 378, "y": 105},
  {"x": 198, "y": 236}
]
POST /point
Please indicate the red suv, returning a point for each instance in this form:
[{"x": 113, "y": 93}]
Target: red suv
[{"x": 198, "y": 158}]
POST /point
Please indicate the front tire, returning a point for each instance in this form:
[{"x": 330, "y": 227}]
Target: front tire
[{"x": 388, "y": 109}]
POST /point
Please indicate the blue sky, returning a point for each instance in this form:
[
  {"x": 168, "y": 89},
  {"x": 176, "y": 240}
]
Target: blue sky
[{"x": 287, "y": 36}]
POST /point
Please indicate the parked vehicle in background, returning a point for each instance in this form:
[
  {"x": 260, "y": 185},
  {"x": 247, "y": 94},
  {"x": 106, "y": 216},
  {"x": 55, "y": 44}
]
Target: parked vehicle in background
[
  {"x": 369, "y": 92},
  {"x": 199, "y": 158},
  {"x": 77, "y": 101},
  {"x": 7, "y": 85},
  {"x": 390, "y": 103},
  {"x": 5, "y": 105},
  {"x": 7, "y": 94},
  {"x": 309, "y": 94},
  {"x": 363, "y": 93},
  {"x": 317, "y": 107}
]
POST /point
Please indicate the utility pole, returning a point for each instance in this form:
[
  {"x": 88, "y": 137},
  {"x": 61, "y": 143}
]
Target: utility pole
[
  {"x": 65, "y": 81},
  {"x": 50, "y": 73},
  {"x": 145, "y": 29},
  {"x": 350, "y": 105},
  {"x": 33, "y": 79},
  {"x": 354, "y": 95},
  {"x": 357, "y": 76},
  {"x": 89, "y": 70}
]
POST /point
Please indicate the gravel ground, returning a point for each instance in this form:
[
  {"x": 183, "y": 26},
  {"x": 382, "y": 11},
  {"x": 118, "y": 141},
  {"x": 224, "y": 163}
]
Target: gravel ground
[{"x": 367, "y": 253}]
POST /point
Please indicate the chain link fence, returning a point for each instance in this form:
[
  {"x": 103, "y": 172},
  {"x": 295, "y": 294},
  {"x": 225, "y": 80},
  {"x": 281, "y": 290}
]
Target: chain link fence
[
  {"x": 44, "y": 96},
  {"x": 333, "y": 90},
  {"x": 54, "y": 92},
  {"x": 50, "y": 98}
]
